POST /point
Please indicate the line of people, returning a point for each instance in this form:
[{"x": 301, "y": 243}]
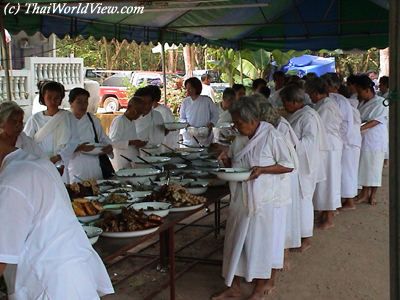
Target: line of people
[{"x": 310, "y": 148}]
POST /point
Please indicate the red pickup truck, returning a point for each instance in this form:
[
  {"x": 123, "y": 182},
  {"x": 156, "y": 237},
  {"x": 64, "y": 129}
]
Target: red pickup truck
[{"x": 113, "y": 92}]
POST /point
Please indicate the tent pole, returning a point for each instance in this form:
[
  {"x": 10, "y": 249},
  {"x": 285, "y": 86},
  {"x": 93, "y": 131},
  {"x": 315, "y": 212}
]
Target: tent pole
[
  {"x": 5, "y": 56},
  {"x": 394, "y": 125},
  {"x": 163, "y": 68},
  {"x": 241, "y": 67}
]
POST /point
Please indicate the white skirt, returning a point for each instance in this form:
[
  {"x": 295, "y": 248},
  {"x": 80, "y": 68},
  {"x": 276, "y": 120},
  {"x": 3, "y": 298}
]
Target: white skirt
[
  {"x": 327, "y": 193},
  {"x": 293, "y": 218},
  {"x": 279, "y": 236},
  {"x": 370, "y": 170},
  {"x": 350, "y": 162},
  {"x": 307, "y": 217},
  {"x": 248, "y": 246}
]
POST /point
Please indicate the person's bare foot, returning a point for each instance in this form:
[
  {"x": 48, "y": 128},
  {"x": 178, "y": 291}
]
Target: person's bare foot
[
  {"x": 325, "y": 225},
  {"x": 229, "y": 293},
  {"x": 372, "y": 201},
  {"x": 261, "y": 295},
  {"x": 348, "y": 205},
  {"x": 305, "y": 245}
]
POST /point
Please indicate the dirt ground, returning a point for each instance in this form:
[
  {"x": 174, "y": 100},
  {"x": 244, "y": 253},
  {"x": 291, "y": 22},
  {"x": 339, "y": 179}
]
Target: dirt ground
[{"x": 350, "y": 261}]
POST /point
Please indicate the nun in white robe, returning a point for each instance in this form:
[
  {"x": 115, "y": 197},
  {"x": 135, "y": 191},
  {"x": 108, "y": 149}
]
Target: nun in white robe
[
  {"x": 327, "y": 196},
  {"x": 307, "y": 125},
  {"x": 172, "y": 138},
  {"x": 85, "y": 166},
  {"x": 198, "y": 113},
  {"x": 45, "y": 249},
  {"x": 123, "y": 130},
  {"x": 151, "y": 128},
  {"x": 293, "y": 219},
  {"x": 250, "y": 231},
  {"x": 56, "y": 135},
  {"x": 374, "y": 142}
]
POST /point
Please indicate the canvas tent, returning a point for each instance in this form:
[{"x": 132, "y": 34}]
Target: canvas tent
[{"x": 252, "y": 24}]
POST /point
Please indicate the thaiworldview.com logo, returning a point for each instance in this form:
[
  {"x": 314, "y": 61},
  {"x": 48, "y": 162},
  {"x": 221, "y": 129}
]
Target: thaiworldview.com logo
[{"x": 99, "y": 8}]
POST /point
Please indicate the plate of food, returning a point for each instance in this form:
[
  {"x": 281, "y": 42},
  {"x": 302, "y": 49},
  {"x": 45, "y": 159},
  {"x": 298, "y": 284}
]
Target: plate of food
[
  {"x": 233, "y": 174},
  {"x": 105, "y": 185},
  {"x": 114, "y": 208},
  {"x": 138, "y": 176},
  {"x": 196, "y": 189},
  {"x": 86, "y": 210},
  {"x": 175, "y": 125},
  {"x": 160, "y": 209},
  {"x": 97, "y": 149},
  {"x": 115, "y": 198},
  {"x": 152, "y": 160},
  {"x": 185, "y": 208},
  {"x": 92, "y": 233},
  {"x": 139, "y": 194},
  {"x": 178, "y": 196},
  {"x": 129, "y": 223}
]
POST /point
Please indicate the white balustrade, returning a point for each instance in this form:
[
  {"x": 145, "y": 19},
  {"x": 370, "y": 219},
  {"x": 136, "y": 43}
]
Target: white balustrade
[{"x": 23, "y": 83}]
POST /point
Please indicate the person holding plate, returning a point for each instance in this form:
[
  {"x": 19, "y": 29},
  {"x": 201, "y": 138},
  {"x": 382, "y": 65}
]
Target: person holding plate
[
  {"x": 255, "y": 229},
  {"x": 83, "y": 165},
  {"x": 54, "y": 129}
]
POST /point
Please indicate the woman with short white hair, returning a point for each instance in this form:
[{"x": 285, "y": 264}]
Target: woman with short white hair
[
  {"x": 11, "y": 126},
  {"x": 251, "y": 230}
]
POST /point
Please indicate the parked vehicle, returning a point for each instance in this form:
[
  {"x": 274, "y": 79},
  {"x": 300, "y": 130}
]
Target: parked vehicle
[{"x": 113, "y": 92}]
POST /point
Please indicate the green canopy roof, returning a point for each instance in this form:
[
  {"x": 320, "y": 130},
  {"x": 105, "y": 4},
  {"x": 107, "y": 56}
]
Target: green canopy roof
[{"x": 253, "y": 24}]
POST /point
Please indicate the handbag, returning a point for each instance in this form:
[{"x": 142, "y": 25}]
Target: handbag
[{"x": 105, "y": 164}]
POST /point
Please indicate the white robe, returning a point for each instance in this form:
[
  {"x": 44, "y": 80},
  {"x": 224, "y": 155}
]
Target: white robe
[
  {"x": 252, "y": 230},
  {"x": 207, "y": 90},
  {"x": 122, "y": 130},
  {"x": 63, "y": 140},
  {"x": 82, "y": 165},
  {"x": 327, "y": 196},
  {"x": 151, "y": 128},
  {"x": 293, "y": 217},
  {"x": 198, "y": 113},
  {"x": 374, "y": 142},
  {"x": 47, "y": 253},
  {"x": 351, "y": 135},
  {"x": 310, "y": 131},
  {"x": 27, "y": 144},
  {"x": 172, "y": 138}
]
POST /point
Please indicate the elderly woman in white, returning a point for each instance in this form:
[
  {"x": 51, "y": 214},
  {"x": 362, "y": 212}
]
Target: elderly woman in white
[
  {"x": 252, "y": 230},
  {"x": 44, "y": 252},
  {"x": 327, "y": 196},
  {"x": 54, "y": 129},
  {"x": 82, "y": 165},
  {"x": 11, "y": 126}
]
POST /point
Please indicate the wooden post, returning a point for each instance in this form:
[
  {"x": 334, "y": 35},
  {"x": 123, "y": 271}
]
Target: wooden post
[{"x": 394, "y": 141}]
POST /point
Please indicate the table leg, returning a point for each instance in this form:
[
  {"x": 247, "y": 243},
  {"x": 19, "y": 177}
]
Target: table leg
[
  {"x": 164, "y": 251},
  {"x": 217, "y": 217},
  {"x": 171, "y": 246}
]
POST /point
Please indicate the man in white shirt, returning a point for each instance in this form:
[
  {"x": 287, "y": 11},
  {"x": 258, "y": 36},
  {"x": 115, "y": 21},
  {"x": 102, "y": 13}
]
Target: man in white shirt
[
  {"x": 207, "y": 89},
  {"x": 44, "y": 252},
  {"x": 150, "y": 126},
  {"x": 123, "y": 134}
]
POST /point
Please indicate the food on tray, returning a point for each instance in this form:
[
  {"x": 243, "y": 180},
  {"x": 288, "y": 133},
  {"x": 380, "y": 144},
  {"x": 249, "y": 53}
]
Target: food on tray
[
  {"x": 111, "y": 183},
  {"x": 177, "y": 195},
  {"x": 128, "y": 220},
  {"x": 83, "y": 207},
  {"x": 115, "y": 198},
  {"x": 82, "y": 189}
]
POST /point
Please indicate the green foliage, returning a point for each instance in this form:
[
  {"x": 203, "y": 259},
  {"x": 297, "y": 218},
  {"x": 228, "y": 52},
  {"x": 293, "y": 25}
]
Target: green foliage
[{"x": 282, "y": 58}]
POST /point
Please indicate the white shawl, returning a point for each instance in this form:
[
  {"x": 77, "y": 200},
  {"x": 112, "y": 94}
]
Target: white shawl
[
  {"x": 266, "y": 188},
  {"x": 58, "y": 126}
]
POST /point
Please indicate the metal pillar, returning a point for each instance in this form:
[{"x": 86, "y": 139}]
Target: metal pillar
[
  {"x": 394, "y": 141},
  {"x": 163, "y": 66}
]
